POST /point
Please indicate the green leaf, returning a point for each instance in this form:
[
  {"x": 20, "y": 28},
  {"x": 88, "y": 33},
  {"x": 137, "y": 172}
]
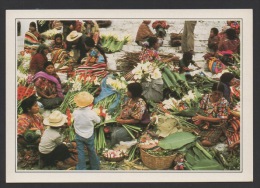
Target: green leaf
[
  {"x": 190, "y": 157},
  {"x": 199, "y": 153},
  {"x": 207, "y": 164},
  {"x": 177, "y": 140}
]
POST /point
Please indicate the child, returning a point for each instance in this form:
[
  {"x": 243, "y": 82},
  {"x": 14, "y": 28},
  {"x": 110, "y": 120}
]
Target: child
[
  {"x": 84, "y": 120},
  {"x": 213, "y": 39},
  {"x": 185, "y": 62},
  {"x": 51, "y": 148}
]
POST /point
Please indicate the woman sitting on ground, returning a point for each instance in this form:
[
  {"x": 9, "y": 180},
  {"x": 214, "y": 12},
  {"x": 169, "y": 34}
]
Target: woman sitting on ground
[
  {"x": 215, "y": 108},
  {"x": 48, "y": 87},
  {"x": 52, "y": 150},
  {"x": 185, "y": 62},
  {"x": 38, "y": 60},
  {"x": 230, "y": 42},
  {"x": 95, "y": 54},
  {"x": 229, "y": 80},
  {"x": 31, "y": 39},
  {"x": 131, "y": 113},
  {"x": 58, "y": 44},
  {"x": 150, "y": 53},
  {"x": 30, "y": 124}
]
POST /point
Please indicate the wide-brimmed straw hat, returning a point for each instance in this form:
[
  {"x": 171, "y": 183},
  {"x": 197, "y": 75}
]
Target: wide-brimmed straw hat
[
  {"x": 73, "y": 36},
  {"x": 83, "y": 99},
  {"x": 55, "y": 119}
]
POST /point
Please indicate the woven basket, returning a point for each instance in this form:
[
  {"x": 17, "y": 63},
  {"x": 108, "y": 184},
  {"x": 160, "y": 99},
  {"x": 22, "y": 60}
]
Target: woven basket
[{"x": 157, "y": 162}]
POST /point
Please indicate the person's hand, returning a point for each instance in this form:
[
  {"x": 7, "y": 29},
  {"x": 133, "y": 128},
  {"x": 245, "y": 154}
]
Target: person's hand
[
  {"x": 119, "y": 120},
  {"x": 52, "y": 96},
  {"x": 198, "y": 117}
]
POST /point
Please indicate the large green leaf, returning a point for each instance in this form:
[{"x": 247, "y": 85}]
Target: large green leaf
[
  {"x": 207, "y": 164},
  {"x": 199, "y": 153},
  {"x": 190, "y": 157},
  {"x": 177, "y": 140}
]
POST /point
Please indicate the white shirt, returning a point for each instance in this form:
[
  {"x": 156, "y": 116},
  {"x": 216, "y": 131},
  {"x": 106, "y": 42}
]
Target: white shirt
[
  {"x": 84, "y": 120},
  {"x": 50, "y": 139}
]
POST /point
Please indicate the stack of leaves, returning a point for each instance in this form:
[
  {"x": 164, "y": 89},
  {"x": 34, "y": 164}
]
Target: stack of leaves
[
  {"x": 112, "y": 43},
  {"x": 202, "y": 83},
  {"x": 175, "y": 82},
  {"x": 198, "y": 158}
]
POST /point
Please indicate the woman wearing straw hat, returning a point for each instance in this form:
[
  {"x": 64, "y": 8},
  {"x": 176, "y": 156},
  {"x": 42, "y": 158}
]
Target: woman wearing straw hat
[
  {"x": 51, "y": 148},
  {"x": 84, "y": 120}
]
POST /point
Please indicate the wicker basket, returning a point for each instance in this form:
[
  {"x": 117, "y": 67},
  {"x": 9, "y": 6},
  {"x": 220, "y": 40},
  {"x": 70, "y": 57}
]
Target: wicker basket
[{"x": 157, "y": 162}]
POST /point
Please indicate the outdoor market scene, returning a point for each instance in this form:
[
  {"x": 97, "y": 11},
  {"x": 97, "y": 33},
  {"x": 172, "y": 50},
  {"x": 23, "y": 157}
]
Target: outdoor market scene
[{"x": 128, "y": 94}]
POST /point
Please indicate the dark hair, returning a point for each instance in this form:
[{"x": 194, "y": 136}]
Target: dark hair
[
  {"x": 152, "y": 41},
  {"x": 231, "y": 34},
  {"x": 227, "y": 77},
  {"x": 91, "y": 43},
  {"x": 28, "y": 103},
  {"x": 58, "y": 35},
  {"x": 214, "y": 30},
  {"x": 219, "y": 86},
  {"x": 41, "y": 48},
  {"x": 187, "y": 56},
  {"x": 46, "y": 64},
  {"x": 32, "y": 24},
  {"x": 135, "y": 89}
]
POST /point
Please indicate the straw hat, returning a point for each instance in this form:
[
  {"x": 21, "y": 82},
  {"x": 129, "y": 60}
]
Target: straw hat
[
  {"x": 73, "y": 36},
  {"x": 83, "y": 99},
  {"x": 55, "y": 119}
]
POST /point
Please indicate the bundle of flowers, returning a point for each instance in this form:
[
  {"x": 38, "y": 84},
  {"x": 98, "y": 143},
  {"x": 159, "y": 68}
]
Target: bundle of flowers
[
  {"x": 146, "y": 71},
  {"x": 23, "y": 92},
  {"x": 77, "y": 84},
  {"x": 118, "y": 84},
  {"x": 113, "y": 43}
]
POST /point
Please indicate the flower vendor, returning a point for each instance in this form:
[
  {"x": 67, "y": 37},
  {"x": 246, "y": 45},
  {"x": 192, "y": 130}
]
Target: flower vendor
[
  {"x": 213, "y": 39},
  {"x": 229, "y": 80},
  {"x": 48, "y": 87},
  {"x": 215, "y": 108},
  {"x": 30, "y": 124},
  {"x": 31, "y": 39},
  {"x": 230, "y": 42},
  {"x": 185, "y": 62},
  {"x": 132, "y": 113}
]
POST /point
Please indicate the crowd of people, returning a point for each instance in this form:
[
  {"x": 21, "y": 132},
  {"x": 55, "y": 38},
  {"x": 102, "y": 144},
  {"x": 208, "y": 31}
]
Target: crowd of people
[{"x": 46, "y": 133}]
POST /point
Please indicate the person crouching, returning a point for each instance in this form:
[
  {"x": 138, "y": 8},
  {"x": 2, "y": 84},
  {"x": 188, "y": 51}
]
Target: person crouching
[{"x": 52, "y": 150}]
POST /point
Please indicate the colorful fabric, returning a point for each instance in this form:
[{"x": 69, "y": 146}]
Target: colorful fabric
[
  {"x": 54, "y": 46},
  {"x": 58, "y": 55},
  {"x": 31, "y": 39},
  {"x": 26, "y": 122},
  {"x": 149, "y": 55},
  {"x": 215, "y": 65},
  {"x": 227, "y": 44},
  {"x": 48, "y": 84},
  {"x": 215, "y": 110},
  {"x": 133, "y": 110},
  {"x": 37, "y": 62}
]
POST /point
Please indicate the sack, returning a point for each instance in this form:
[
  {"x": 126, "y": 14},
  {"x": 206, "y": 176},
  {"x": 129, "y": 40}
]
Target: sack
[{"x": 215, "y": 65}]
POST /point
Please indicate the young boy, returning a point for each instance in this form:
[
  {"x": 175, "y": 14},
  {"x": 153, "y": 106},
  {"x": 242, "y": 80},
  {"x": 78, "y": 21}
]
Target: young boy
[
  {"x": 84, "y": 120},
  {"x": 185, "y": 62},
  {"x": 213, "y": 40}
]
